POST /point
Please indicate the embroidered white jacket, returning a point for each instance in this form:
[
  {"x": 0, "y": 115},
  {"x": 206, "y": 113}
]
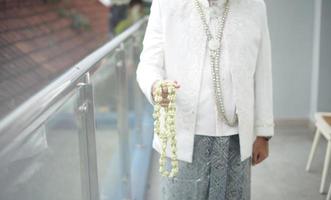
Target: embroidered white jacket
[{"x": 174, "y": 49}]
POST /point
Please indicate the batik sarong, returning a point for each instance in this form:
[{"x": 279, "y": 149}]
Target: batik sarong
[{"x": 216, "y": 172}]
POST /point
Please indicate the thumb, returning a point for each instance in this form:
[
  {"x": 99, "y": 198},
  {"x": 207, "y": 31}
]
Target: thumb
[{"x": 176, "y": 84}]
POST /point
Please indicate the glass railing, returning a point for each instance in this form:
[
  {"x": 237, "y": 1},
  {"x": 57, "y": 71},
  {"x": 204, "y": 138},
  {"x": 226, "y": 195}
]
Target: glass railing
[{"x": 86, "y": 136}]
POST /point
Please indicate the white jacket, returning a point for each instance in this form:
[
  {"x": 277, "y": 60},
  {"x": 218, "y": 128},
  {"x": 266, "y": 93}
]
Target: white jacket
[{"x": 174, "y": 47}]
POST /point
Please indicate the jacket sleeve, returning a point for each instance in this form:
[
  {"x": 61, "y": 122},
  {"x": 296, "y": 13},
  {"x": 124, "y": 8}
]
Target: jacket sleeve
[
  {"x": 151, "y": 65},
  {"x": 264, "y": 122}
]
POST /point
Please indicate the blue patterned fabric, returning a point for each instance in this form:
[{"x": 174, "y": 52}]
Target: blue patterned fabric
[{"x": 216, "y": 172}]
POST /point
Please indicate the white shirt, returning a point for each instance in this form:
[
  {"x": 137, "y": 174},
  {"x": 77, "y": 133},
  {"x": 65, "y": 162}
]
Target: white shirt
[{"x": 208, "y": 121}]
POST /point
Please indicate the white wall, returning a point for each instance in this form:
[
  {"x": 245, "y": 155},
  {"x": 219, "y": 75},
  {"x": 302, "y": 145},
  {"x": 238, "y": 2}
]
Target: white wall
[
  {"x": 324, "y": 91},
  {"x": 291, "y": 24}
]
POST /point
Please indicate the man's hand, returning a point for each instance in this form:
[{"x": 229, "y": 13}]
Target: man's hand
[
  {"x": 164, "y": 101},
  {"x": 260, "y": 150}
]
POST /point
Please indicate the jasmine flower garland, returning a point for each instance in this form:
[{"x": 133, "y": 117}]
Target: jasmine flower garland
[{"x": 167, "y": 132}]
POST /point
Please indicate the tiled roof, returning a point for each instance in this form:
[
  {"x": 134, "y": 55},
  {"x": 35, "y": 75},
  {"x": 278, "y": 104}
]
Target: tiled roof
[{"x": 37, "y": 43}]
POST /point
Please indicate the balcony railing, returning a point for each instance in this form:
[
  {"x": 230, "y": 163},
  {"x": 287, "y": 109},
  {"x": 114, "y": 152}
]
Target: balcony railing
[{"x": 86, "y": 136}]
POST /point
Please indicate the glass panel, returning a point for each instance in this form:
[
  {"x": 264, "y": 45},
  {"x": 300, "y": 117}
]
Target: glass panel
[
  {"x": 44, "y": 163},
  {"x": 140, "y": 121},
  {"x": 104, "y": 83},
  {"x": 112, "y": 150},
  {"x": 134, "y": 100}
]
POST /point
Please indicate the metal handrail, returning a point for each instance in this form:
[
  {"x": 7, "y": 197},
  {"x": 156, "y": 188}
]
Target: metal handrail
[{"x": 38, "y": 104}]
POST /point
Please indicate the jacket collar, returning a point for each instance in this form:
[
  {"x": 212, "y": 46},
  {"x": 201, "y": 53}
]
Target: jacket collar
[{"x": 205, "y": 3}]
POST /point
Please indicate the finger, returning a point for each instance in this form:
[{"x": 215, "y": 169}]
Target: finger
[
  {"x": 164, "y": 89},
  {"x": 154, "y": 94},
  {"x": 164, "y": 104},
  {"x": 258, "y": 158},
  {"x": 164, "y": 92},
  {"x": 263, "y": 156},
  {"x": 165, "y": 101},
  {"x": 255, "y": 158},
  {"x": 176, "y": 84}
]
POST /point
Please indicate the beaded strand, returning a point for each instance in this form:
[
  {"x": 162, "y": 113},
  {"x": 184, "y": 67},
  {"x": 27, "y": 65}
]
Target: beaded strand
[
  {"x": 168, "y": 133},
  {"x": 214, "y": 44}
]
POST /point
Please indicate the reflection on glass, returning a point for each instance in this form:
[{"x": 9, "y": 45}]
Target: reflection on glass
[
  {"x": 107, "y": 140},
  {"x": 136, "y": 104},
  {"x": 44, "y": 164},
  {"x": 111, "y": 156}
]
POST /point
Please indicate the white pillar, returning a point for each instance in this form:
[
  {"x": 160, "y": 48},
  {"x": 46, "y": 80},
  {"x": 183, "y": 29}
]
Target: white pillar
[{"x": 316, "y": 58}]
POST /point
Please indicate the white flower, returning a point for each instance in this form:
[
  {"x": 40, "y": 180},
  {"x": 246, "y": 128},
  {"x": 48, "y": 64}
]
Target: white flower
[{"x": 169, "y": 134}]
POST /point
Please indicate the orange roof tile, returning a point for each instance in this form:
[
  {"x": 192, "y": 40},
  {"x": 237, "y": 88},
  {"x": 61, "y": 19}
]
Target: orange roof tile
[{"x": 37, "y": 44}]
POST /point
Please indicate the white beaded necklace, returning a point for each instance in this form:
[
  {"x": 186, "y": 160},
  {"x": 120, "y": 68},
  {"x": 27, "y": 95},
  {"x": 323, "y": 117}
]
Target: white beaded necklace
[
  {"x": 168, "y": 133},
  {"x": 214, "y": 46}
]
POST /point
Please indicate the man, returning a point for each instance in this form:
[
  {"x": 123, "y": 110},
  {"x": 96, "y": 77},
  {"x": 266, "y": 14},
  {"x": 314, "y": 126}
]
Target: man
[
  {"x": 218, "y": 54},
  {"x": 117, "y": 12}
]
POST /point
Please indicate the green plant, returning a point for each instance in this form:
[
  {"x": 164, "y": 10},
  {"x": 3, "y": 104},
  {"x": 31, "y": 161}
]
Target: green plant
[{"x": 78, "y": 21}]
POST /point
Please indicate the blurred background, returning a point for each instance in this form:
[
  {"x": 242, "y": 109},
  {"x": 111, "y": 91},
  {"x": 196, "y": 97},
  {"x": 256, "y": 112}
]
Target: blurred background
[{"x": 74, "y": 124}]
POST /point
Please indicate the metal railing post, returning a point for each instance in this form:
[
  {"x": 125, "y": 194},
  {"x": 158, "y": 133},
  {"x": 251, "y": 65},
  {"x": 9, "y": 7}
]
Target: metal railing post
[
  {"x": 122, "y": 125},
  {"x": 139, "y": 105},
  {"x": 87, "y": 139}
]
